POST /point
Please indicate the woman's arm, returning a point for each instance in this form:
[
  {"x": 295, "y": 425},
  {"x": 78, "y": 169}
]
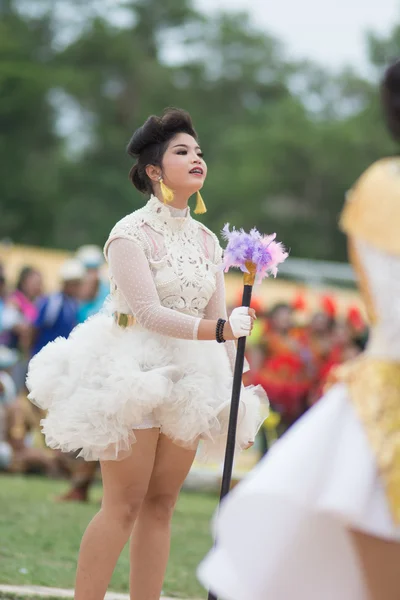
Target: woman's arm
[
  {"x": 217, "y": 306},
  {"x": 131, "y": 272}
]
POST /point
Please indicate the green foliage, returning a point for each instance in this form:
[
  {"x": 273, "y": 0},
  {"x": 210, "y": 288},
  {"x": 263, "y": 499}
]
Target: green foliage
[{"x": 283, "y": 140}]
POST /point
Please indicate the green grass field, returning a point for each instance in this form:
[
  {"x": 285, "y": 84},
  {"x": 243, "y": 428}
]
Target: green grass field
[{"x": 39, "y": 538}]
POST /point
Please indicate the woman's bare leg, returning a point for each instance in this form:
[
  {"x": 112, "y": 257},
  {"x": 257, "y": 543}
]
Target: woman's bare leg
[
  {"x": 150, "y": 540},
  {"x": 380, "y": 560},
  {"x": 125, "y": 485}
]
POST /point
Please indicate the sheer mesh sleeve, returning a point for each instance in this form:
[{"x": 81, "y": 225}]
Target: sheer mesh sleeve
[
  {"x": 216, "y": 309},
  {"x": 131, "y": 272}
]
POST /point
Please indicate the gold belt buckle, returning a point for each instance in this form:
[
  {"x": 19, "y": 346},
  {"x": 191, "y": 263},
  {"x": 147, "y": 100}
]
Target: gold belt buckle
[{"x": 124, "y": 320}]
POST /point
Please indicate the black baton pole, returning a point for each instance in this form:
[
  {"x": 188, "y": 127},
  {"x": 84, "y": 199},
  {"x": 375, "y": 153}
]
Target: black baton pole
[{"x": 235, "y": 399}]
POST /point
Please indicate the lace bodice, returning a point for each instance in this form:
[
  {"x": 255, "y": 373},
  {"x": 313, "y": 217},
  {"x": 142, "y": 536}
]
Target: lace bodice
[{"x": 165, "y": 270}]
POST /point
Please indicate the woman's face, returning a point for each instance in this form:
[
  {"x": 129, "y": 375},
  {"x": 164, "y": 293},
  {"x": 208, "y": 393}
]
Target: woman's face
[
  {"x": 184, "y": 169},
  {"x": 33, "y": 285}
]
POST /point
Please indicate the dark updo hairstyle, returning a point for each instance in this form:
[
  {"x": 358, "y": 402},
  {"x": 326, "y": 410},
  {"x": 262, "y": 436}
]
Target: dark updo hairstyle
[
  {"x": 149, "y": 143},
  {"x": 390, "y": 94}
]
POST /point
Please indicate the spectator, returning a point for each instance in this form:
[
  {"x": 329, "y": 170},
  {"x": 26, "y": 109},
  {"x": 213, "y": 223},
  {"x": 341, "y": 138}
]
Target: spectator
[
  {"x": 20, "y": 314},
  {"x": 343, "y": 348},
  {"x": 8, "y": 358},
  {"x": 28, "y": 289},
  {"x": 2, "y": 285},
  {"x": 94, "y": 292},
  {"x": 16, "y": 453},
  {"x": 94, "y": 288},
  {"x": 284, "y": 371},
  {"x": 2, "y": 303},
  {"x": 320, "y": 334},
  {"x": 58, "y": 312}
]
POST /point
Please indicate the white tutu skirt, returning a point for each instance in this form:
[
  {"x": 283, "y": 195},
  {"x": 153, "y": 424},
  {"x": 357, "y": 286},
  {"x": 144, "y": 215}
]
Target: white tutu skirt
[
  {"x": 283, "y": 533},
  {"x": 104, "y": 381}
]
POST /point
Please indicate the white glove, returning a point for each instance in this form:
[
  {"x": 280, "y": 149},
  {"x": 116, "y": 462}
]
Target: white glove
[{"x": 240, "y": 322}]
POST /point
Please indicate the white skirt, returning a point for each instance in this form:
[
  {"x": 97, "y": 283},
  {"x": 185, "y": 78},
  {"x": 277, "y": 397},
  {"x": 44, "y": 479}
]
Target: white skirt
[
  {"x": 282, "y": 534},
  {"x": 104, "y": 381}
]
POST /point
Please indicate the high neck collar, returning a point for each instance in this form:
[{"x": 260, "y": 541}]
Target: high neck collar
[{"x": 166, "y": 212}]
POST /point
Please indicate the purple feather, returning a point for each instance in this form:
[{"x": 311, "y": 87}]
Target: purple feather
[{"x": 262, "y": 250}]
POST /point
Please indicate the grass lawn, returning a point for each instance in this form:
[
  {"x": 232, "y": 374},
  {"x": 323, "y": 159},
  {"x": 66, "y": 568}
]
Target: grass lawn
[{"x": 39, "y": 538}]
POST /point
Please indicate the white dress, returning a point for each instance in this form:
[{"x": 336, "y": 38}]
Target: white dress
[
  {"x": 283, "y": 533},
  {"x": 105, "y": 381}
]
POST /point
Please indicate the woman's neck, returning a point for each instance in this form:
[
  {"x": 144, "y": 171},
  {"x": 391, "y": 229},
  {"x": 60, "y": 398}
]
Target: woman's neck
[
  {"x": 181, "y": 203},
  {"x": 180, "y": 200}
]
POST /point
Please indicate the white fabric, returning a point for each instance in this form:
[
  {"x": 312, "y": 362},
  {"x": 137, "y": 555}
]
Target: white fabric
[
  {"x": 105, "y": 381},
  {"x": 131, "y": 273},
  {"x": 183, "y": 256},
  {"x": 282, "y": 534},
  {"x": 170, "y": 242},
  {"x": 383, "y": 274}
]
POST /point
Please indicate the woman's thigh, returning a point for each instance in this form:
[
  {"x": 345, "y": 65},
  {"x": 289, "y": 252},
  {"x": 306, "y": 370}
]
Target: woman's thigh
[
  {"x": 171, "y": 467},
  {"x": 127, "y": 481}
]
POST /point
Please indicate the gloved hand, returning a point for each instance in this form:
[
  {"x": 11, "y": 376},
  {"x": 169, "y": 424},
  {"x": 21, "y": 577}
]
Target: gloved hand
[{"x": 241, "y": 321}]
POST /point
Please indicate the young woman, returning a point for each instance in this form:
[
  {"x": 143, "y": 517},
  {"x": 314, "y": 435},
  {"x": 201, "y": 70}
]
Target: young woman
[
  {"x": 319, "y": 518},
  {"x": 22, "y": 309},
  {"x": 139, "y": 385}
]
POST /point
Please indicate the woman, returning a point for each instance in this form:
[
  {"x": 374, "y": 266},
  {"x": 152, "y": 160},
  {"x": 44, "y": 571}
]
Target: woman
[
  {"x": 139, "y": 386},
  {"x": 319, "y": 518},
  {"x": 21, "y": 312}
]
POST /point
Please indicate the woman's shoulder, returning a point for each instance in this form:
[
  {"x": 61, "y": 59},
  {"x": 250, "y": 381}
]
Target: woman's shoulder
[
  {"x": 372, "y": 199},
  {"x": 129, "y": 227},
  {"x": 372, "y": 204}
]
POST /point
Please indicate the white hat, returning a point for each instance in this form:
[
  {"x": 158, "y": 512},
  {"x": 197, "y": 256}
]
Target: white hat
[
  {"x": 72, "y": 270},
  {"x": 90, "y": 256}
]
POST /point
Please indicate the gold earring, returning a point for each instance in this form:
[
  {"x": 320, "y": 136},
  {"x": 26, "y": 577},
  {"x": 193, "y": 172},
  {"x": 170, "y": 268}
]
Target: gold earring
[
  {"x": 167, "y": 193},
  {"x": 200, "y": 206}
]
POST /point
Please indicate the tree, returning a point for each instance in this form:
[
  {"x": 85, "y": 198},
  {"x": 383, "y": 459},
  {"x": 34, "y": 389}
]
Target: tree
[
  {"x": 284, "y": 139},
  {"x": 28, "y": 144}
]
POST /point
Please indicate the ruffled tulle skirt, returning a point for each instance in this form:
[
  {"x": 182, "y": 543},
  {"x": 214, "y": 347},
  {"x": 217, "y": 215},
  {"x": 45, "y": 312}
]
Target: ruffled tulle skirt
[
  {"x": 283, "y": 533},
  {"x": 104, "y": 381}
]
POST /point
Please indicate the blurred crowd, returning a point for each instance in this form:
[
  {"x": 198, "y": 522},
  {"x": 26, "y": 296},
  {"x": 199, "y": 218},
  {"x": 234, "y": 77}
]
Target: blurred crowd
[
  {"x": 29, "y": 319},
  {"x": 291, "y": 353}
]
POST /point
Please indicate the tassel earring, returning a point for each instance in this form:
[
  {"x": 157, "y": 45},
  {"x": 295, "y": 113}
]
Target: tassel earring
[
  {"x": 200, "y": 206},
  {"x": 167, "y": 193}
]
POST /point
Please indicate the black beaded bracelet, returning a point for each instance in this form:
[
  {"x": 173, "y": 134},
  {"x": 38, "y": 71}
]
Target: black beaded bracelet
[{"x": 219, "y": 330}]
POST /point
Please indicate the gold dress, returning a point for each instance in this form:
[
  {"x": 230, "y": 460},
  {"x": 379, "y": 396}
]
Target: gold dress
[{"x": 284, "y": 532}]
